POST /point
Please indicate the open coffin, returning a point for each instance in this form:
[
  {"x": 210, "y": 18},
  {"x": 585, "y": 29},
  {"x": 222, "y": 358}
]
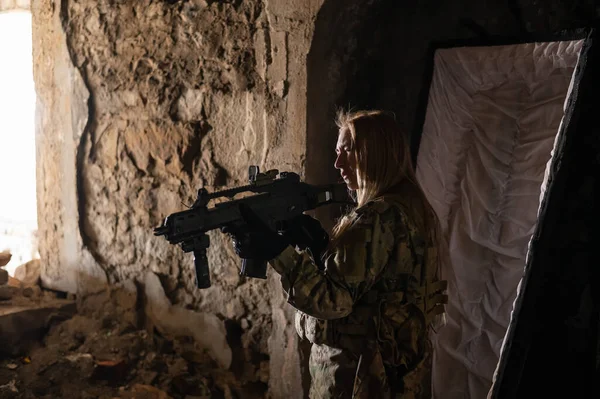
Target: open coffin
[{"x": 490, "y": 141}]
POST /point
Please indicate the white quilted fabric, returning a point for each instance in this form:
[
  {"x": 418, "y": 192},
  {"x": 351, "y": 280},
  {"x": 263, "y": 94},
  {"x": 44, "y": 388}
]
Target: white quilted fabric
[{"x": 491, "y": 123}]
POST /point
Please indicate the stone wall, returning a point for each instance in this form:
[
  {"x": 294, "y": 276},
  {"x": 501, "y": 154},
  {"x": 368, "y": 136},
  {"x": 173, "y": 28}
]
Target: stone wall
[
  {"x": 142, "y": 103},
  {"x": 139, "y": 105}
]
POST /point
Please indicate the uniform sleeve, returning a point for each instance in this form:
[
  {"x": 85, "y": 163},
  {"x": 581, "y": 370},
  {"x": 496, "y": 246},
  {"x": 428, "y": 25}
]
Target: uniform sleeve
[{"x": 351, "y": 269}]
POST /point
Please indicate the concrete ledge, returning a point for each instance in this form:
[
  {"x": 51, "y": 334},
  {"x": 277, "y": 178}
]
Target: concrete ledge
[{"x": 23, "y": 325}]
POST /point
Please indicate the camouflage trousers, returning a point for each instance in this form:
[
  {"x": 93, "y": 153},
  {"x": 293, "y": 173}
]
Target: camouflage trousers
[
  {"x": 332, "y": 372},
  {"x": 338, "y": 373}
]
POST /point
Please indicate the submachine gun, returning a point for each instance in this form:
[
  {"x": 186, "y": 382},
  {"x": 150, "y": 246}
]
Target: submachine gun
[{"x": 276, "y": 201}]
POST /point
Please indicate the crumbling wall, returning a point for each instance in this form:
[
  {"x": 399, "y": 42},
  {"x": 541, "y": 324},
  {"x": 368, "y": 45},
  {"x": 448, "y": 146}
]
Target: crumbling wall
[
  {"x": 61, "y": 115},
  {"x": 139, "y": 105}
]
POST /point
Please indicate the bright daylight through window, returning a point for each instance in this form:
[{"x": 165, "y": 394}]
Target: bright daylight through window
[{"x": 18, "y": 214}]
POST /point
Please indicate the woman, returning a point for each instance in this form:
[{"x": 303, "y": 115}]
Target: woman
[{"x": 367, "y": 302}]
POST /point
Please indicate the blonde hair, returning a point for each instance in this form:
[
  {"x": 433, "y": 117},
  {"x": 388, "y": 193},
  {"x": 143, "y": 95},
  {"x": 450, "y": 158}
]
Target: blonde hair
[{"x": 383, "y": 162}]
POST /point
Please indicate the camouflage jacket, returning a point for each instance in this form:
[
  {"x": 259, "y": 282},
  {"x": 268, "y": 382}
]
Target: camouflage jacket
[{"x": 379, "y": 287}]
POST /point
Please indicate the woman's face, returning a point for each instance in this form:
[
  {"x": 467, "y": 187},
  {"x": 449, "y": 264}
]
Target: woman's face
[{"x": 346, "y": 159}]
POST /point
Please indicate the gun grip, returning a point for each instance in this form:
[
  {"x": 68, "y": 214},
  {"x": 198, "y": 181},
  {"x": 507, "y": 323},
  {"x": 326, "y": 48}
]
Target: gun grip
[
  {"x": 254, "y": 268},
  {"x": 201, "y": 266}
]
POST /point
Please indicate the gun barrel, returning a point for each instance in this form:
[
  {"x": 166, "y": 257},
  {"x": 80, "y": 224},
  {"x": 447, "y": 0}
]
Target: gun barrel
[{"x": 161, "y": 230}]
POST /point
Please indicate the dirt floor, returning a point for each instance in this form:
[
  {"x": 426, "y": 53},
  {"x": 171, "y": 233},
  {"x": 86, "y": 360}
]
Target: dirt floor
[{"x": 107, "y": 350}]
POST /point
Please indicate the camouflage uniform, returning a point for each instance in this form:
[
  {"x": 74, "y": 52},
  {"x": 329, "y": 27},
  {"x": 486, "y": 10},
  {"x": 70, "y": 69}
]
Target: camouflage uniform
[{"x": 367, "y": 313}]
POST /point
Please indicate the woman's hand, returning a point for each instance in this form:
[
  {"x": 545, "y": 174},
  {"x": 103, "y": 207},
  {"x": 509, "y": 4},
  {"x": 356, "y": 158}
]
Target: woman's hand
[
  {"x": 254, "y": 240},
  {"x": 307, "y": 232}
]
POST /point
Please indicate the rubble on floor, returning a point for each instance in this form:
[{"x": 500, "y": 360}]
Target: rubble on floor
[
  {"x": 104, "y": 345},
  {"x": 5, "y": 257}
]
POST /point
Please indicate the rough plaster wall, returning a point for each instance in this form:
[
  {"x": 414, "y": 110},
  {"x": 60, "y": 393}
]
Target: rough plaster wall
[
  {"x": 142, "y": 103},
  {"x": 61, "y": 114}
]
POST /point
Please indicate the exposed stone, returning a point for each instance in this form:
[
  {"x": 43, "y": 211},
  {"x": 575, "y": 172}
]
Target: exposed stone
[
  {"x": 206, "y": 329},
  {"x": 29, "y": 273},
  {"x": 112, "y": 304},
  {"x": 10, "y": 388},
  {"x": 84, "y": 356},
  {"x": 3, "y": 276},
  {"x": 179, "y": 97},
  {"x": 84, "y": 362},
  {"x": 33, "y": 291},
  {"x": 7, "y": 292},
  {"x": 190, "y": 105},
  {"x": 5, "y": 257},
  {"x": 13, "y": 282}
]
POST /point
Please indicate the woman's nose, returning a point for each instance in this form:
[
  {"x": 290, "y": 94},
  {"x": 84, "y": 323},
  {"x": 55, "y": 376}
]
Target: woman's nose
[{"x": 338, "y": 162}]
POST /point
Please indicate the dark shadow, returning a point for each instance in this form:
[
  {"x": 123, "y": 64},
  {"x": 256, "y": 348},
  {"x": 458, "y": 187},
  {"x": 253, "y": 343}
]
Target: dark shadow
[{"x": 377, "y": 54}]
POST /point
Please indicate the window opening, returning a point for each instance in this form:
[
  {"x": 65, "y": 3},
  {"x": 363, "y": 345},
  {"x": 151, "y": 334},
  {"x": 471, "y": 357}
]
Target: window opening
[{"x": 18, "y": 208}]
